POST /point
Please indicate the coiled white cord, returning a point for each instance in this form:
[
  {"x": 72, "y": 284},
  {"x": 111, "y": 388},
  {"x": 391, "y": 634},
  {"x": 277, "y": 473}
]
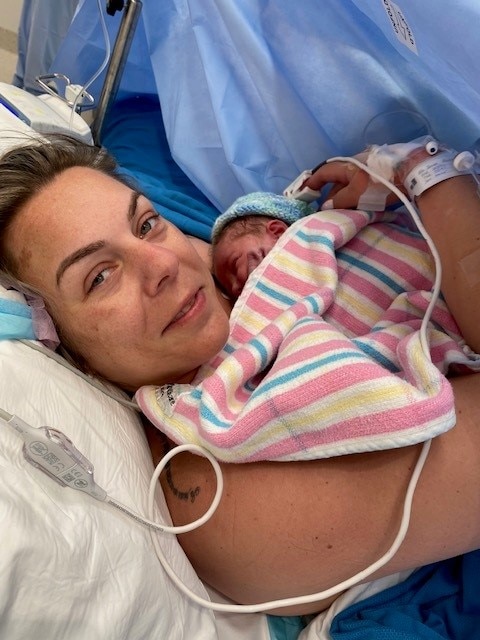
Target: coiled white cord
[
  {"x": 298, "y": 600},
  {"x": 57, "y": 445},
  {"x": 155, "y": 526}
]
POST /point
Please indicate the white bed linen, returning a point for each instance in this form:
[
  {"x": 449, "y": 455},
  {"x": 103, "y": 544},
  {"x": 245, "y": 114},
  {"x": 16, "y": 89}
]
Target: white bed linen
[{"x": 71, "y": 567}]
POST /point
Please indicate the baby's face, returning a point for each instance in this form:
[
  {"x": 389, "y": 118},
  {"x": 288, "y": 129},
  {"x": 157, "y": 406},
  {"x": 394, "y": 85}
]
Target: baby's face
[{"x": 236, "y": 256}]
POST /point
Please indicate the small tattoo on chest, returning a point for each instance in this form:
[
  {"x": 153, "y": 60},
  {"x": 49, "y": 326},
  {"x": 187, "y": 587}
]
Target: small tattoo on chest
[{"x": 190, "y": 494}]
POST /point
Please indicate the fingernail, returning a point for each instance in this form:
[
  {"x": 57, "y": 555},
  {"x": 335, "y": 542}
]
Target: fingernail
[{"x": 328, "y": 204}]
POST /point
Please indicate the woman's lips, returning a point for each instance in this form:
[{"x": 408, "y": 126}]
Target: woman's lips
[
  {"x": 185, "y": 309},
  {"x": 189, "y": 310}
]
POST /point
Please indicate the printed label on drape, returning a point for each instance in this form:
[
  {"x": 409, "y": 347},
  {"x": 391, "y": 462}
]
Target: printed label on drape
[{"x": 400, "y": 25}]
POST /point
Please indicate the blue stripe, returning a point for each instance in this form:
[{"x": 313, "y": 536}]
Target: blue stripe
[
  {"x": 206, "y": 413},
  {"x": 367, "y": 268},
  {"x": 196, "y": 394},
  {"x": 249, "y": 386},
  {"x": 378, "y": 357},
  {"x": 274, "y": 294},
  {"x": 313, "y": 301},
  {"x": 315, "y": 237},
  {"x": 262, "y": 351},
  {"x": 288, "y": 377}
]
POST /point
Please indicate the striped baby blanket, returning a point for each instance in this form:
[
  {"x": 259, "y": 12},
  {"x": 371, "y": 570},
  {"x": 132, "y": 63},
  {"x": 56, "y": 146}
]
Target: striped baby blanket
[{"x": 324, "y": 356}]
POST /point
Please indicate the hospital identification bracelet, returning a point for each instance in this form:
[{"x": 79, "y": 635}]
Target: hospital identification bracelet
[{"x": 431, "y": 171}]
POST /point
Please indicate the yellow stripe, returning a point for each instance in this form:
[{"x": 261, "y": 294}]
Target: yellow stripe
[
  {"x": 338, "y": 408},
  {"x": 303, "y": 270}
]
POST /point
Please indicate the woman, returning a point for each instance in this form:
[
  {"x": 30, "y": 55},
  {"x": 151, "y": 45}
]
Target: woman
[{"x": 133, "y": 302}]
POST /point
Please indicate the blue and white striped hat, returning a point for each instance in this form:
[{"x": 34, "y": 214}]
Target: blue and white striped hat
[{"x": 262, "y": 204}]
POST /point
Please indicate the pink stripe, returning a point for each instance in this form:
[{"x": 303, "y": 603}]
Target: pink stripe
[
  {"x": 398, "y": 269},
  {"x": 393, "y": 421}
]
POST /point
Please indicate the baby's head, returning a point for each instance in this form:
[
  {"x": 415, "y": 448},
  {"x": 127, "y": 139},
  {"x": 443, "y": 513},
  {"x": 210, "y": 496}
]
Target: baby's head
[{"x": 246, "y": 232}]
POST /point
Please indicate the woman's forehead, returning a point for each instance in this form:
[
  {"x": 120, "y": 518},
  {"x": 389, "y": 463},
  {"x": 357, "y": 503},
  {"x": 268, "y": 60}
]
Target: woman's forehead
[
  {"x": 73, "y": 209},
  {"x": 75, "y": 194},
  {"x": 82, "y": 183}
]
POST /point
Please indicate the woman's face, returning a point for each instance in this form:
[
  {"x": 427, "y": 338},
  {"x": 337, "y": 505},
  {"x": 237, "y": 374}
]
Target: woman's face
[{"x": 125, "y": 287}]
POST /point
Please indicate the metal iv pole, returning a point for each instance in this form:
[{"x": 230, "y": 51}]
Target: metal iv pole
[{"x": 117, "y": 61}]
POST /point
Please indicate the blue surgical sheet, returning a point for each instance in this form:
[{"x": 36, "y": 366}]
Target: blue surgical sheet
[{"x": 253, "y": 92}]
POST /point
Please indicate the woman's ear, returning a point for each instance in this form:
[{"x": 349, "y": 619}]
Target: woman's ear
[{"x": 276, "y": 228}]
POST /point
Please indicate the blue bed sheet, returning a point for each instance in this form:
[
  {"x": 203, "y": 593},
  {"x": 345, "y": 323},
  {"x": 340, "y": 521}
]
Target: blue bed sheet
[
  {"x": 437, "y": 602},
  {"x": 134, "y": 134}
]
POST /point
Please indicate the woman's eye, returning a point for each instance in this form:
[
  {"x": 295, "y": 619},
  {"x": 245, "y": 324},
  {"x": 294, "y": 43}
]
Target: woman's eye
[
  {"x": 98, "y": 280},
  {"x": 149, "y": 224}
]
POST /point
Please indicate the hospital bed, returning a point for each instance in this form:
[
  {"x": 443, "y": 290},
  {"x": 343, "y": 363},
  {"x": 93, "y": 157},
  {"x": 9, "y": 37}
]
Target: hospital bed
[{"x": 215, "y": 99}]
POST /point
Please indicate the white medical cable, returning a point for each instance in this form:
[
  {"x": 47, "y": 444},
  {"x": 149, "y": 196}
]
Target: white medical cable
[
  {"x": 5, "y": 415},
  {"x": 99, "y": 70},
  {"x": 77, "y": 467},
  {"x": 52, "y": 452},
  {"x": 154, "y": 526},
  {"x": 92, "y": 381},
  {"x": 314, "y": 597}
]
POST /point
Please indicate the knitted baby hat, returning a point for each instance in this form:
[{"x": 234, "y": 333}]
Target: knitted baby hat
[{"x": 262, "y": 204}]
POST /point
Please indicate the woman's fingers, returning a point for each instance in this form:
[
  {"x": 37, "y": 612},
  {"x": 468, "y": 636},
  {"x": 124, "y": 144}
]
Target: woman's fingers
[
  {"x": 348, "y": 183},
  {"x": 347, "y": 195},
  {"x": 331, "y": 172}
]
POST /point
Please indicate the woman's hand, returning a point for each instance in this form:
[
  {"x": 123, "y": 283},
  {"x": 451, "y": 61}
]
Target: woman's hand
[
  {"x": 350, "y": 181},
  {"x": 450, "y": 212}
]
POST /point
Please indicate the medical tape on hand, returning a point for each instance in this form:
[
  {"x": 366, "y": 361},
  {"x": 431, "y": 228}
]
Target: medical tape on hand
[
  {"x": 384, "y": 160},
  {"x": 374, "y": 198},
  {"x": 432, "y": 171}
]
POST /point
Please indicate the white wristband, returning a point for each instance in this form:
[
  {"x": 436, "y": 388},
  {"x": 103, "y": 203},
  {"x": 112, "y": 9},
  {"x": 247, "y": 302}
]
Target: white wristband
[{"x": 431, "y": 171}]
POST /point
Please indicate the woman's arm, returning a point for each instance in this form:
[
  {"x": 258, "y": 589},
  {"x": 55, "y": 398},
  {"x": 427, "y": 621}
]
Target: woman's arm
[
  {"x": 287, "y": 529},
  {"x": 450, "y": 212}
]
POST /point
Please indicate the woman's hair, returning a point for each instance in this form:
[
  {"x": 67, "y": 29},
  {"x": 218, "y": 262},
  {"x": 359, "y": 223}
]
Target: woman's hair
[
  {"x": 24, "y": 172},
  {"x": 27, "y": 169}
]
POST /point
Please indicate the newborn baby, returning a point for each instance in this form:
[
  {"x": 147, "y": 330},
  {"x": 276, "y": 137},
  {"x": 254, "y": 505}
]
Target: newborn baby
[{"x": 246, "y": 232}]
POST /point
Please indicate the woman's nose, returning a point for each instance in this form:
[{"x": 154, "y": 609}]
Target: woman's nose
[{"x": 156, "y": 266}]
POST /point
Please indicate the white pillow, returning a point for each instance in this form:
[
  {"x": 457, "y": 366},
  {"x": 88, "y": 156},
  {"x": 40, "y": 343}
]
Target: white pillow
[{"x": 70, "y": 566}]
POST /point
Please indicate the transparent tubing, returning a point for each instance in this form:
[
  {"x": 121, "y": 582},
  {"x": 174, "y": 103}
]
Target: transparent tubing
[{"x": 117, "y": 63}]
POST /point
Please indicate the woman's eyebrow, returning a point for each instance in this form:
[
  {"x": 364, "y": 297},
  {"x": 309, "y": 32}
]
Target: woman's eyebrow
[
  {"x": 133, "y": 205},
  {"x": 94, "y": 246},
  {"x": 76, "y": 256}
]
